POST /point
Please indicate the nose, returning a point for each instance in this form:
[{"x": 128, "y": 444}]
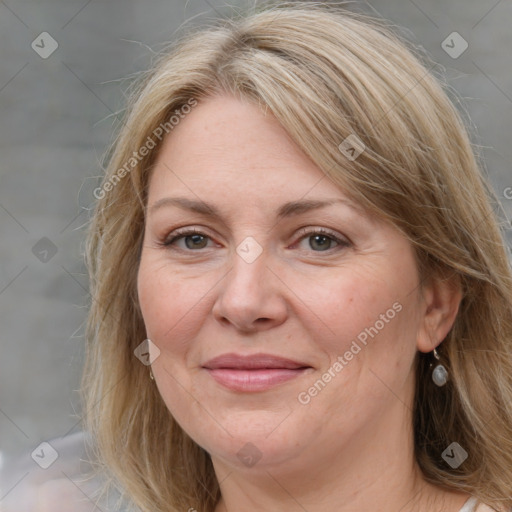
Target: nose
[{"x": 252, "y": 297}]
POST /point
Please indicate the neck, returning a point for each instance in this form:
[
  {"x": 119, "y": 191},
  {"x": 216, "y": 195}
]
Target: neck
[{"x": 366, "y": 474}]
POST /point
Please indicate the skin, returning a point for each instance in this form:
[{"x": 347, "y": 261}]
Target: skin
[{"x": 351, "y": 447}]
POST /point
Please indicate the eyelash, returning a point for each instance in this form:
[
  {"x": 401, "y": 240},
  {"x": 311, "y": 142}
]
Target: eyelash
[{"x": 304, "y": 232}]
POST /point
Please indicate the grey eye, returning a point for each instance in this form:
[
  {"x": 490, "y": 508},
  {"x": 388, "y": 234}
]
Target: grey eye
[{"x": 320, "y": 242}]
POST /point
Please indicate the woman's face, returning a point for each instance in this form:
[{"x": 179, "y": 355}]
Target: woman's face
[{"x": 267, "y": 271}]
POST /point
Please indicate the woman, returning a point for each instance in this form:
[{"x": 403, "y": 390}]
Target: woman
[{"x": 295, "y": 236}]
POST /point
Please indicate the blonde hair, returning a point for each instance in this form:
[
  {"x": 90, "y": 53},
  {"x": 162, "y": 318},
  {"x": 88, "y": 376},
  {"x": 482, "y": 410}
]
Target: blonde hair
[{"x": 325, "y": 73}]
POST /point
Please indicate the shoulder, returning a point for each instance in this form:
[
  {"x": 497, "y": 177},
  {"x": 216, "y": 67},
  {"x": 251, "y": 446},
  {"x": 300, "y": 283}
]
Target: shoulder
[
  {"x": 67, "y": 483},
  {"x": 473, "y": 504},
  {"x": 482, "y": 507}
]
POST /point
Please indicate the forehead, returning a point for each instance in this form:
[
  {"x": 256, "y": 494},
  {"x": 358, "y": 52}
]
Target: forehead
[{"x": 230, "y": 147}]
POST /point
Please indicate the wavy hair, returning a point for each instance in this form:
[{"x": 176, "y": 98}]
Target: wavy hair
[{"x": 325, "y": 73}]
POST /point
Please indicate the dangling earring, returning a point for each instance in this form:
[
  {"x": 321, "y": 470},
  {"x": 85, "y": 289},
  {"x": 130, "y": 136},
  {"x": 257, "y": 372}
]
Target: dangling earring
[
  {"x": 151, "y": 374},
  {"x": 440, "y": 373}
]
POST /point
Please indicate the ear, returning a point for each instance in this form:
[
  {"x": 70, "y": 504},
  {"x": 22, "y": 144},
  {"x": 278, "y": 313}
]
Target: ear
[{"x": 440, "y": 302}]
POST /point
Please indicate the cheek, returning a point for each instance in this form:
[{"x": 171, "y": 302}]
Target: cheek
[
  {"x": 370, "y": 322},
  {"x": 170, "y": 309},
  {"x": 168, "y": 302},
  {"x": 351, "y": 300},
  {"x": 368, "y": 317}
]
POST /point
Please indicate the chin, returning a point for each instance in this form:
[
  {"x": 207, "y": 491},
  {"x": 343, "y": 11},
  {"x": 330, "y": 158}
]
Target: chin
[{"x": 261, "y": 446}]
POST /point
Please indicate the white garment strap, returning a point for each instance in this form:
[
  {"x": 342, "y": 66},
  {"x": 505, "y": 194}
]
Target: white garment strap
[{"x": 470, "y": 505}]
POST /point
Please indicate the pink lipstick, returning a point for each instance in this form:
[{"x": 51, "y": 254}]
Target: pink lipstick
[{"x": 257, "y": 372}]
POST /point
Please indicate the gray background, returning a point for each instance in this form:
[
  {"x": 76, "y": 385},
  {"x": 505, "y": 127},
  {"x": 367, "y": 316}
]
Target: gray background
[{"x": 57, "y": 118}]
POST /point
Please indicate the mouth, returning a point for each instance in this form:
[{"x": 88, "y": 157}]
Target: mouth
[{"x": 257, "y": 372}]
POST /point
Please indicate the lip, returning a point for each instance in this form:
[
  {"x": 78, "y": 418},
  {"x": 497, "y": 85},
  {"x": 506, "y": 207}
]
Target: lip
[
  {"x": 253, "y": 362},
  {"x": 256, "y": 372}
]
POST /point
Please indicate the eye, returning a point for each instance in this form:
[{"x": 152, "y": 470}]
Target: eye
[
  {"x": 193, "y": 239},
  {"x": 321, "y": 240}
]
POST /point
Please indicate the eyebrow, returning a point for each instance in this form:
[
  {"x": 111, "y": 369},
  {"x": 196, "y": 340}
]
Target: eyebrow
[{"x": 289, "y": 209}]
